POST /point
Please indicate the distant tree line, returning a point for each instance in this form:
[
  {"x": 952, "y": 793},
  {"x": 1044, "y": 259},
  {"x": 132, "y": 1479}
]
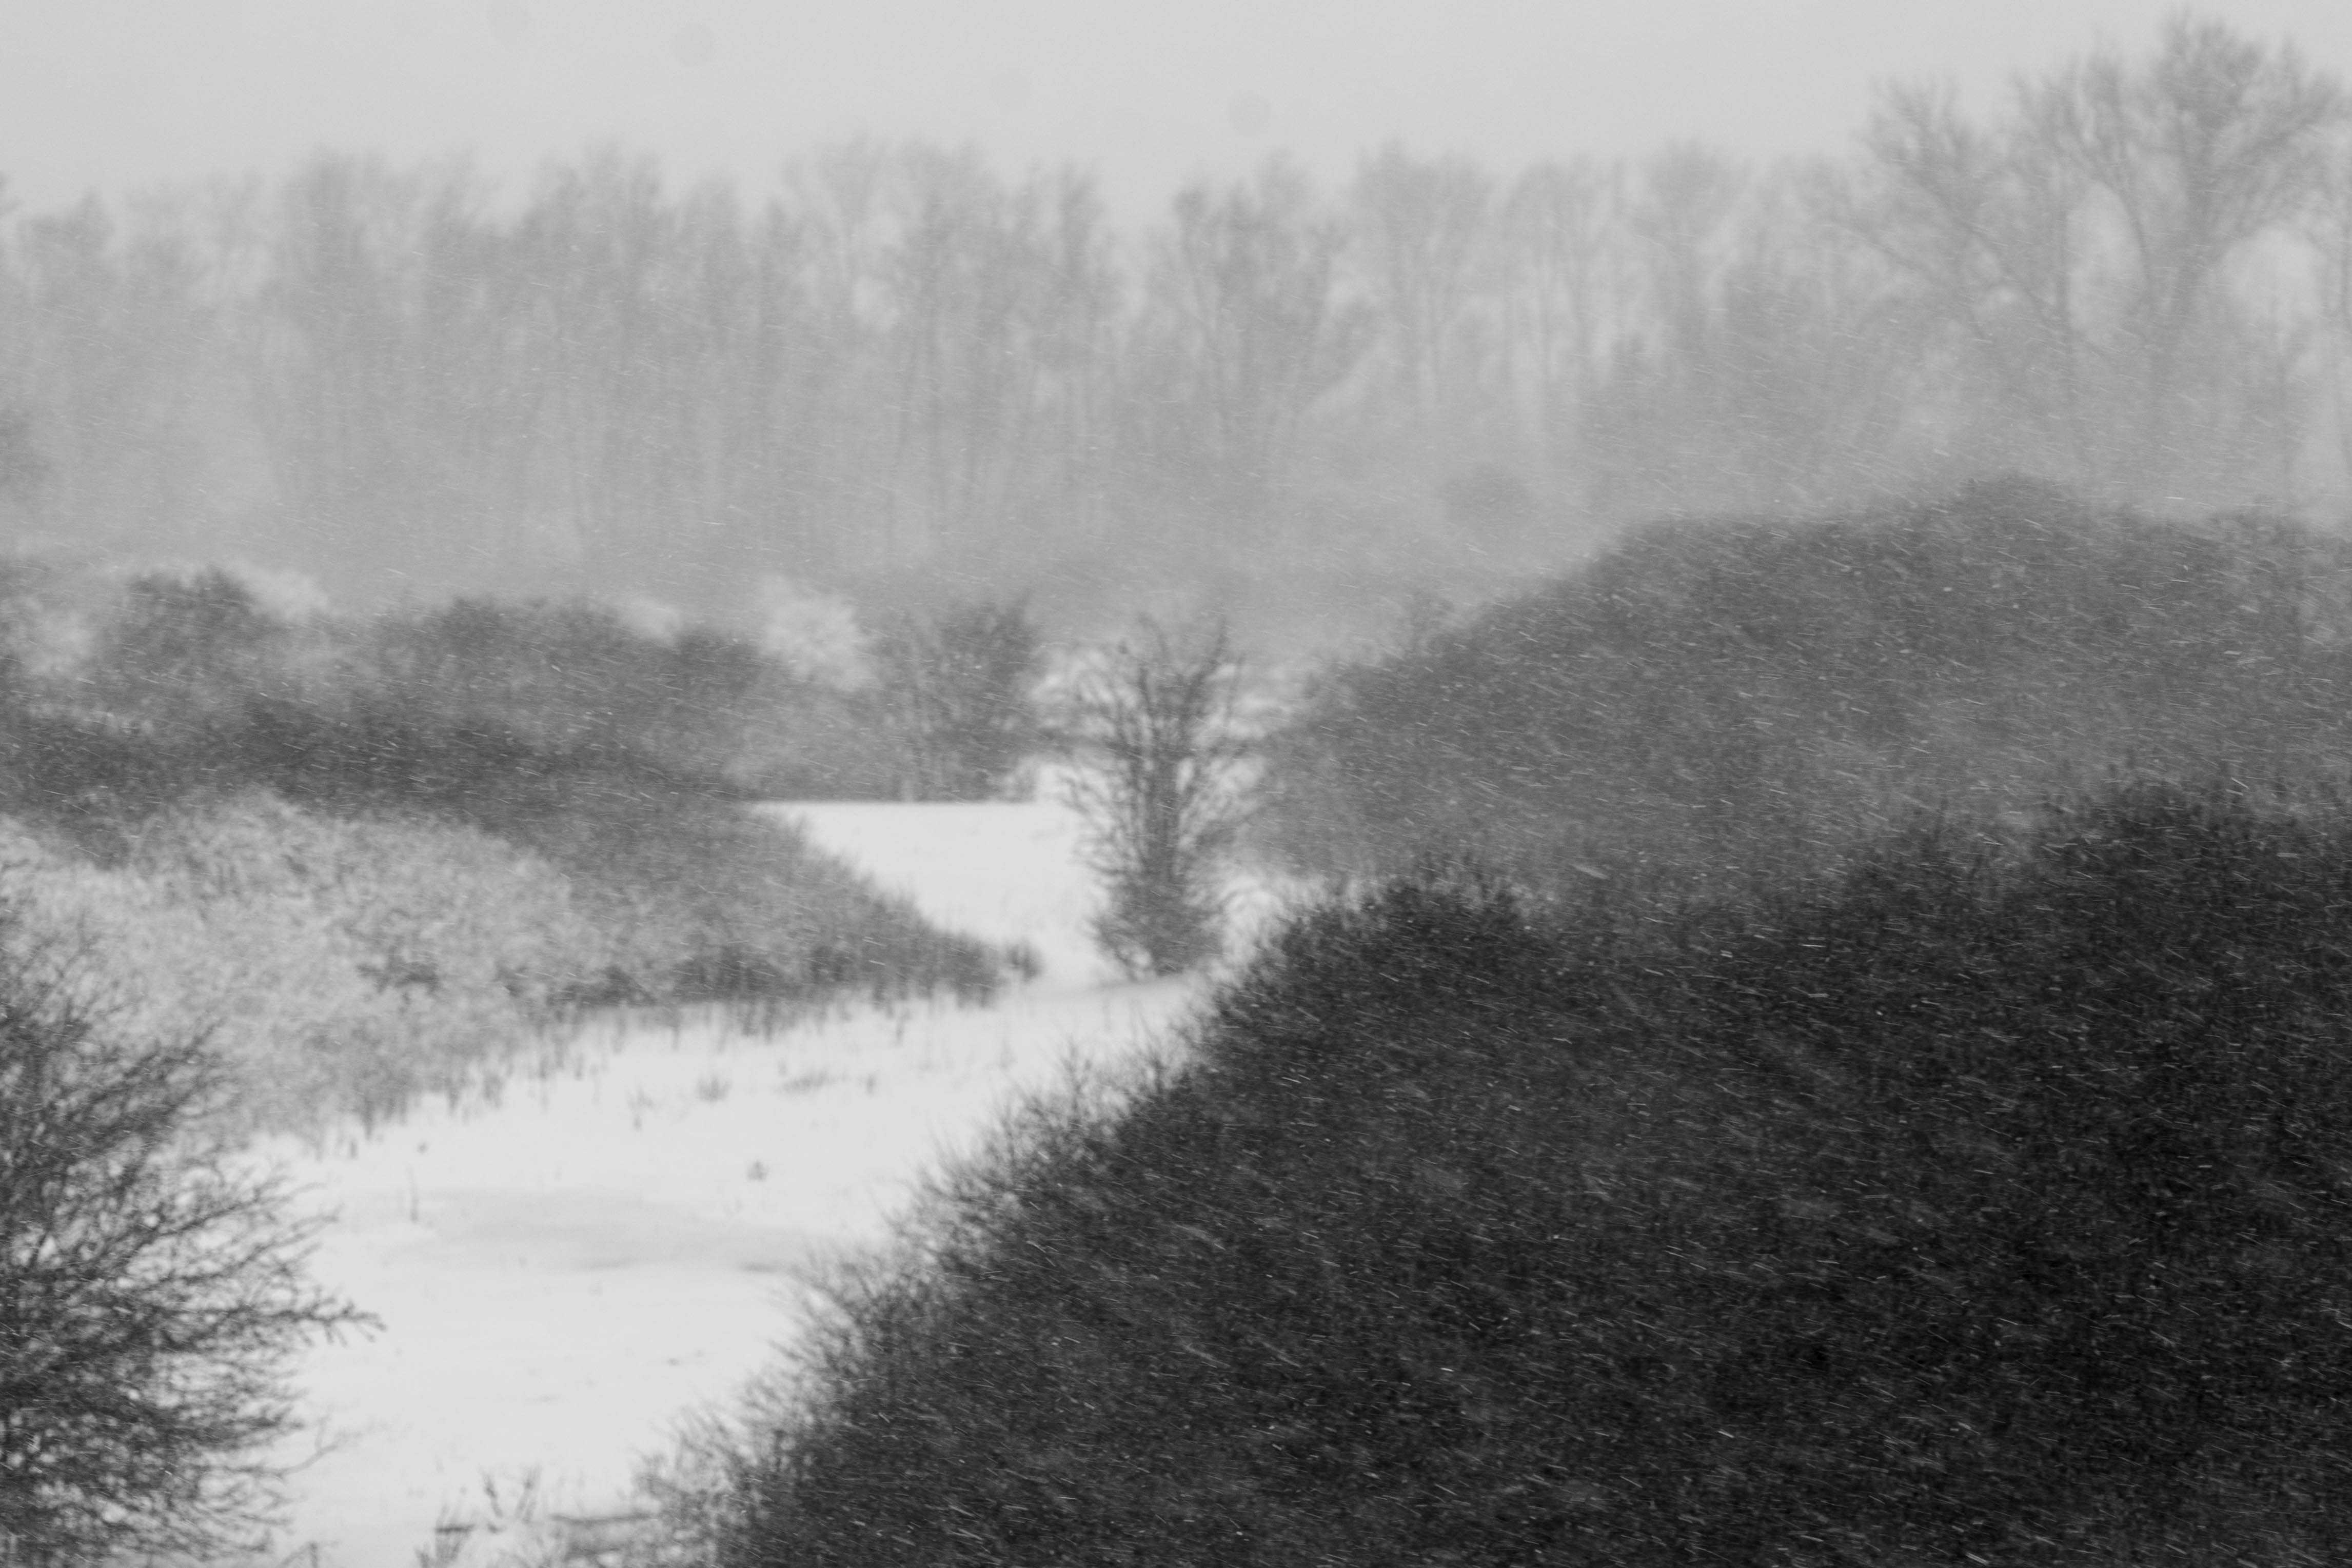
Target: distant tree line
[{"x": 2134, "y": 278}]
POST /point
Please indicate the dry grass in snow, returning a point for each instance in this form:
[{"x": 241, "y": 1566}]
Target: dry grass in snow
[{"x": 568, "y": 1261}]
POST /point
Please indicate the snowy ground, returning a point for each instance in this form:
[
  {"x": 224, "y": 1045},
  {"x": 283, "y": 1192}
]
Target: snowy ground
[{"x": 563, "y": 1272}]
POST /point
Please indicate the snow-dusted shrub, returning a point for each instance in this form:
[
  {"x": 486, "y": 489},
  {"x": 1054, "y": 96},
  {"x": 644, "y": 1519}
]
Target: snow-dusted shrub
[
  {"x": 341, "y": 965},
  {"x": 815, "y": 634}
]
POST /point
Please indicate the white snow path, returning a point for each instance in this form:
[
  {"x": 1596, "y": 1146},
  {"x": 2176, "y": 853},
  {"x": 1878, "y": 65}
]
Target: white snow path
[{"x": 563, "y": 1272}]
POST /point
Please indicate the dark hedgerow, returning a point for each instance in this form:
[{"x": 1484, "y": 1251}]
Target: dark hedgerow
[
  {"x": 1721, "y": 703},
  {"x": 1987, "y": 1204}
]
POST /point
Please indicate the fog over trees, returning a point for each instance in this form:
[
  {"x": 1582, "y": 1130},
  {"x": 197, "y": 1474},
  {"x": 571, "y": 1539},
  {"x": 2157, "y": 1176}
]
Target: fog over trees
[{"x": 899, "y": 362}]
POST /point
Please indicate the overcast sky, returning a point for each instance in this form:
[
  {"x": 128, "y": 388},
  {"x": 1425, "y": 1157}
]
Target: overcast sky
[{"x": 113, "y": 94}]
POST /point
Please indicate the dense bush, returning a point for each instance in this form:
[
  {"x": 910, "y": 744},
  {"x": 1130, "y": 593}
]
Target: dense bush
[
  {"x": 815, "y": 742},
  {"x": 704, "y": 901},
  {"x": 349, "y": 964},
  {"x": 1728, "y": 700},
  {"x": 1152, "y": 725},
  {"x": 1980, "y": 1206},
  {"x": 182, "y": 683},
  {"x": 566, "y": 680},
  {"x": 152, "y": 1291},
  {"x": 116, "y": 697},
  {"x": 182, "y": 651},
  {"x": 956, "y": 689},
  {"x": 344, "y": 966}
]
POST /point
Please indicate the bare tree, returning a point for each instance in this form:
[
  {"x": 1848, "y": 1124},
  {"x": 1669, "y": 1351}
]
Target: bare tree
[
  {"x": 24, "y": 468},
  {"x": 1154, "y": 724},
  {"x": 2084, "y": 251},
  {"x": 1245, "y": 283},
  {"x": 1563, "y": 261},
  {"x": 109, "y": 345},
  {"x": 1993, "y": 237},
  {"x": 2214, "y": 143},
  {"x": 1653, "y": 436},
  {"x": 151, "y": 1292},
  {"x": 1422, "y": 229},
  {"x": 2332, "y": 236}
]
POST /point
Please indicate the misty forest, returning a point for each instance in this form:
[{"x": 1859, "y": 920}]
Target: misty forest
[
  {"x": 902, "y": 365},
  {"x": 1633, "y": 861}
]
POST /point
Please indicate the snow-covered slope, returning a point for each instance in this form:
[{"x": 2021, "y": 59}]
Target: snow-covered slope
[{"x": 564, "y": 1270}]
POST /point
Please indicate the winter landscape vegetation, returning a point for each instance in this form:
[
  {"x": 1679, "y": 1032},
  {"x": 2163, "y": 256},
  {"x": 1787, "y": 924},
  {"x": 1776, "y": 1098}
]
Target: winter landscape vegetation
[{"x": 1641, "y": 863}]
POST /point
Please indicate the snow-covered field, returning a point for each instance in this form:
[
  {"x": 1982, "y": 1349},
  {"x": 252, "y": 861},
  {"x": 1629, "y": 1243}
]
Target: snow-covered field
[{"x": 563, "y": 1272}]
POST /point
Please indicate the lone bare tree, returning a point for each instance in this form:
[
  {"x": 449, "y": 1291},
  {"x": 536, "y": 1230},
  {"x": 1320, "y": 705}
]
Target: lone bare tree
[
  {"x": 1154, "y": 725},
  {"x": 2085, "y": 253}
]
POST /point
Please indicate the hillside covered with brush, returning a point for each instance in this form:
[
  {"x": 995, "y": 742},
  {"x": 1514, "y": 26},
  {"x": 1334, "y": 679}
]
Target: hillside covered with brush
[
  {"x": 373, "y": 855},
  {"x": 1723, "y": 700},
  {"x": 1986, "y": 1204}
]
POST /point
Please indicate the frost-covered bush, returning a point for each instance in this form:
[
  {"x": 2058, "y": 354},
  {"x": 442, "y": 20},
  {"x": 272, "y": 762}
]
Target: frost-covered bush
[
  {"x": 348, "y": 964},
  {"x": 342, "y": 964},
  {"x": 814, "y": 634}
]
